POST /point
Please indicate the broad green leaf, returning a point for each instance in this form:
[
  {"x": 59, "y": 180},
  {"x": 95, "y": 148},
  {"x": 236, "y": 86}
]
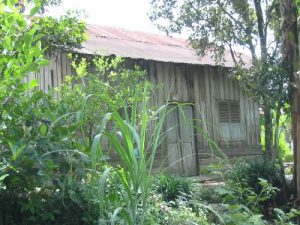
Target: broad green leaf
[
  {"x": 3, "y": 177},
  {"x": 33, "y": 83},
  {"x": 43, "y": 129},
  {"x": 11, "y": 3},
  {"x": 16, "y": 151},
  {"x": 35, "y": 10}
]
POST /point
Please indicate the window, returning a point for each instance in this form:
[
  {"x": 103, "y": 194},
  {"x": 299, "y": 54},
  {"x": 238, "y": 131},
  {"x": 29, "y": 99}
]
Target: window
[{"x": 230, "y": 120}]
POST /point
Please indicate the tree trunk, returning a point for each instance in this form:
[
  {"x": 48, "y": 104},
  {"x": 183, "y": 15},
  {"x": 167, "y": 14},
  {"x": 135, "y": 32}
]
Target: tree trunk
[
  {"x": 268, "y": 132},
  {"x": 290, "y": 52},
  {"x": 276, "y": 133}
]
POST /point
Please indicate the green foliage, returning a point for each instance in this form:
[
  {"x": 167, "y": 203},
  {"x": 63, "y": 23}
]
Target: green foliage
[
  {"x": 53, "y": 167},
  {"x": 248, "y": 173},
  {"x": 288, "y": 218},
  {"x": 239, "y": 214},
  {"x": 162, "y": 213},
  {"x": 215, "y": 24},
  {"x": 101, "y": 86},
  {"x": 63, "y": 34},
  {"x": 247, "y": 197},
  {"x": 185, "y": 215},
  {"x": 272, "y": 86},
  {"x": 172, "y": 187},
  {"x": 256, "y": 184},
  {"x": 41, "y": 169},
  {"x": 284, "y": 136},
  {"x": 135, "y": 155}
]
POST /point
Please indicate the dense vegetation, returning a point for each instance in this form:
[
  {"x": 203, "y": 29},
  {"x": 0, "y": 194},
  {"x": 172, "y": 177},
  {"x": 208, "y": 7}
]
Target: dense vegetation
[{"x": 56, "y": 166}]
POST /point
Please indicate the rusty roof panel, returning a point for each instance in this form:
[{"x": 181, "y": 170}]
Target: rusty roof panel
[{"x": 107, "y": 41}]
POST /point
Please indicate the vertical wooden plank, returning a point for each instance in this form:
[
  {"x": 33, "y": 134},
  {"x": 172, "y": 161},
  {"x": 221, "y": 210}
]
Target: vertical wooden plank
[
  {"x": 243, "y": 115},
  {"x": 230, "y": 88},
  {"x": 68, "y": 66},
  {"x": 173, "y": 144},
  {"x": 208, "y": 102},
  {"x": 64, "y": 66},
  {"x": 187, "y": 141},
  {"x": 166, "y": 82},
  {"x": 202, "y": 104},
  {"x": 213, "y": 99},
  {"x": 248, "y": 120},
  {"x": 216, "y": 104},
  {"x": 172, "y": 84},
  {"x": 160, "y": 83},
  {"x": 221, "y": 84},
  {"x": 226, "y": 88},
  {"x": 197, "y": 110},
  {"x": 252, "y": 123},
  {"x": 39, "y": 77},
  {"x": 55, "y": 71},
  {"x": 152, "y": 77},
  {"x": 184, "y": 83},
  {"x": 190, "y": 83},
  {"x": 236, "y": 90},
  {"x": 178, "y": 82},
  {"x": 221, "y": 77},
  {"x": 257, "y": 125},
  {"x": 46, "y": 75},
  {"x": 58, "y": 70}
]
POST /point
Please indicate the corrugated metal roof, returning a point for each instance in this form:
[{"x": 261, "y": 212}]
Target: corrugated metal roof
[{"x": 108, "y": 41}]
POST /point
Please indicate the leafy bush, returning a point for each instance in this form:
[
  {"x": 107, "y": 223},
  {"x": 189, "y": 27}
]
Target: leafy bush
[
  {"x": 46, "y": 143},
  {"x": 41, "y": 169},
  {"x": 229, "y": 205},
  {"x": 100, "y": 86},
  {"x": 237, "y": 214},
  {"x": 258, "y": 179},
  {"x": 243, "y": 195},
  {"x": 172, "y": 187},
  {"x": 162, "y": 213},
  {"x": 248, "y": 173},
  {"x": 136, "y": 153},
  {"x": 286, "y": 218}
]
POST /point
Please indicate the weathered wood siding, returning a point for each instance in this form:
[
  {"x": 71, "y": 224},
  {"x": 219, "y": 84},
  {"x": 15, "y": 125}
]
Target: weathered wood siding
[
  {"x": 202, "y": 86},
  {"x": 54, "y": 73}
]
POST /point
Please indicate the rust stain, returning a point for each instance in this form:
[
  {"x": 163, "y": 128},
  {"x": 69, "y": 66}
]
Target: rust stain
[{"x": 107, "y": 41}]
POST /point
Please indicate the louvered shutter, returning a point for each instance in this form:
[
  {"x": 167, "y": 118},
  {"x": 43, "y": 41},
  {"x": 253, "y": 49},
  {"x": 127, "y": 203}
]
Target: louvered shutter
[
  {"x": 235, "y": 121},
  {"x": 224, "y": 117},
  {"x": 229, "y": 117},
  {"x": 234, "y": 112},
  {"x": 224, "y": 112}
]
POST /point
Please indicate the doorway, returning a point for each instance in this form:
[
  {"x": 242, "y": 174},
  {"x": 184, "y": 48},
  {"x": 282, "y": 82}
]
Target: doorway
[{"x": 180, "y": 140}]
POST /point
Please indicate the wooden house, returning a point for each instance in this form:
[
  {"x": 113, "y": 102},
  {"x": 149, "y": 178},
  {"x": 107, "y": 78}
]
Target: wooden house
[{"x": 219, "y": 107}]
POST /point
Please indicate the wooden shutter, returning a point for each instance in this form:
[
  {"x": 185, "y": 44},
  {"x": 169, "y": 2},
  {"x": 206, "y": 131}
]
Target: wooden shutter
[
  {"x": 229, "y": 116},
  {"x": 224, "y": 112},
  {"x": 224, "y": 117},
  {"x": 234, "y": 112}
]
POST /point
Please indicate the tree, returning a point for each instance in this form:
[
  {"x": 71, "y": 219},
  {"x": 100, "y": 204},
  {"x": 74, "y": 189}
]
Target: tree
[
  {"x": 290, "y": 52},
  {"x": 227, "y": 24}
]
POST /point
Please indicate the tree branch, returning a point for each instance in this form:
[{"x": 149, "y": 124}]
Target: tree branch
[
  {"x": 260, "y": 26},
  {"x": 268, "y": 15}
]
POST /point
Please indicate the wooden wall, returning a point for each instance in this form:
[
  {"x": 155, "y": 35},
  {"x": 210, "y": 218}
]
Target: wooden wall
[
  {"x": 54, "y": 73},
  {"x": 202, "y": 86}
]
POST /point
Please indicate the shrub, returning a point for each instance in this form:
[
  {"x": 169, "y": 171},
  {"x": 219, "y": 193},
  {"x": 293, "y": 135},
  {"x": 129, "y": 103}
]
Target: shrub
[
  {"x": 172, "y": 187},
  {"x": 162, "y": 213},
  {"x": 257, "y": 180},
  {"x": 248, "y": 173}
]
